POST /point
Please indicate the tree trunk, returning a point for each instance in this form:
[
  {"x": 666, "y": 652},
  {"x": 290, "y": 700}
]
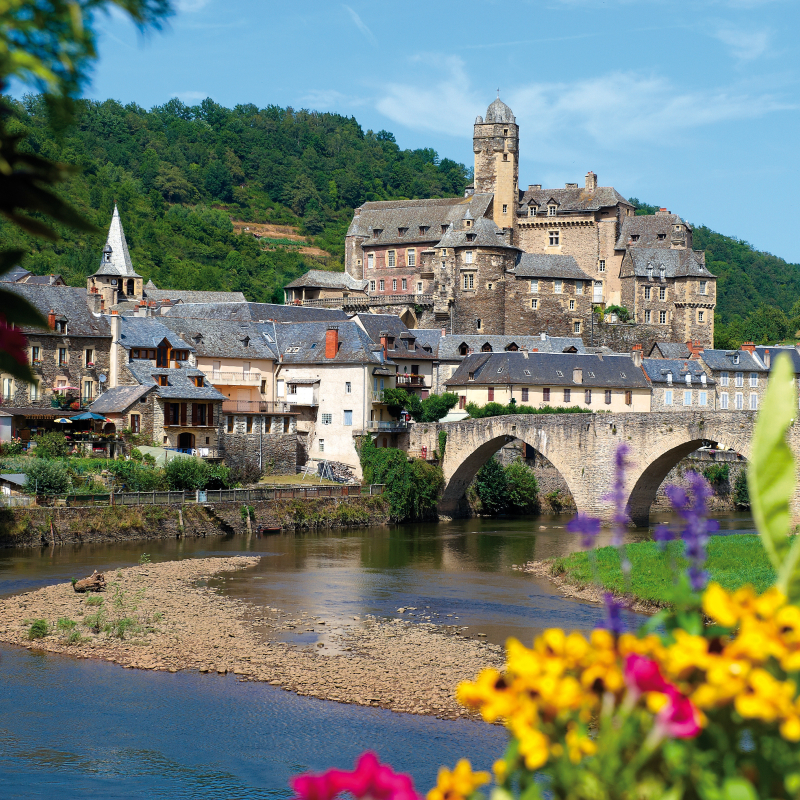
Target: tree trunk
[{"x": 96, "y": 582}]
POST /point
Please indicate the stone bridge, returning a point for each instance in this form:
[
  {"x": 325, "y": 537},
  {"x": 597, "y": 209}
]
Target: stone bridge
[{"x": 582, "y": 446}]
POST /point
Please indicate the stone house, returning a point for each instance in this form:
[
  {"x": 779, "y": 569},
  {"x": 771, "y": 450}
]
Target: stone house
[
  {"x": 597, "y": 382},
  {"x": 679, "y": 385},
  {"x": 318, "y": 284},
  {"x": 740, "y": 377},
  {"x": 334, "y": 376}
]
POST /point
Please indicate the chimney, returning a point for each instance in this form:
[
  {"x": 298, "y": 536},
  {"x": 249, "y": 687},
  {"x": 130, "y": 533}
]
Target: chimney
[
  {"x": 749, "y": 346},
  {"x": 768, "y": 358},
  {"x": 534, "y": 349},
  {"x": 636, "y": 355},
  {"x": 577, "y": 375},
  {"x": 524, "y": 352},
  {"x": 332, "y": 342},
  {"x": 543, "y": 336},
  {"x": 444, "y": 332},
  {"x": 695, "y": 348},
  {"x": 94, "y": 301},
  {"x": 113, "y": 361},
  {"x": 591, "y": 181},
  {"x": 51, "y": 319},
  {"x": 534, "y": 186}
]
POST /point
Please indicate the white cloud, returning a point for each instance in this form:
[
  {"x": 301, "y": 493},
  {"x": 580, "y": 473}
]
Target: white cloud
[
  {"x": 745, "y": 45},
  {"x": 362, "y": 26}
]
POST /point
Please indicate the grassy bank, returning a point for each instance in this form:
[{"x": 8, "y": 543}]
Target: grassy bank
[{"x": 733, "y": 561}]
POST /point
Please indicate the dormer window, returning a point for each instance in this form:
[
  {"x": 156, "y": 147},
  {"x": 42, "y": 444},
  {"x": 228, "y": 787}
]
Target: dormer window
[
  {"x": 444, "y": 228},
  {"x": 463, "y": 349},
  {"x": 467, "y": 223},
  {"x": 402, "y": 231},
  {"x": 471, "y": 376},
  {"x": 661, "y": 272},
  {"x": 532, "y": 211},
  {"x": 470, "y": 237},
  {"x": 735, "y": 358},
  {"x": 377, "y": 232},
  {"x": 635, "y": 237},
  {"x": 551, "y": 211},
  {"x": 423, "y": 229},
  {"x": 61, "y": 326},
  {"x": 662, "y": 236},
  {"x": 486, "y": 348},
  {"x": 161, "y": 380},
  {"x": 198, "y": 381}
]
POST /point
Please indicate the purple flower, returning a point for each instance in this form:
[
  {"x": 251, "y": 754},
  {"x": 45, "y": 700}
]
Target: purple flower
[
  {"x": 613, "y": 621},
  {"x": 662, "y": 535},
  {"x": 617, "y": 495},
  {"x": 692, "y": 508},
  {"x": 588, "y": 527}
]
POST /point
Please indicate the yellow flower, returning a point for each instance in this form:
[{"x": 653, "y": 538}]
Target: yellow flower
[
  {"x": 500, "y": 769},
  {"x": 790, "y": 728},
  {"x": 534, "y": 748},
  {"x": 578, "y": 744},
  {"x": 719, "y": 605},
  {"x": 458, "y": 784}
]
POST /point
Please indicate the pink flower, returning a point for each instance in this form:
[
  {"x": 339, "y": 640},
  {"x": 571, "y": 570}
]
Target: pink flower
[
  {"x": 370, "y": 778},
  {"x": 13, "y": 342},
  {"x": 644, "y": 675},
  {"x": 679, "y": 718}
]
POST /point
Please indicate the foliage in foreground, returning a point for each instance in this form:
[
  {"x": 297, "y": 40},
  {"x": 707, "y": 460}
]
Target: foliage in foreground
[{"x": 412, "y": 485}]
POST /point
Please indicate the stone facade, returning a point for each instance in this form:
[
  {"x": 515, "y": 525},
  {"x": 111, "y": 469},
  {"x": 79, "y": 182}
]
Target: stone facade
[{"x": 271, "y": 453}]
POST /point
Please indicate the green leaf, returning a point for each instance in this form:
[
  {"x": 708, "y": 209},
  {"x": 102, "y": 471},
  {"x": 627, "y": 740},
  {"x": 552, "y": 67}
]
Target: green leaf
[
  {"x": 738, "y": 789},
  {"x": 771, "y": 473}
]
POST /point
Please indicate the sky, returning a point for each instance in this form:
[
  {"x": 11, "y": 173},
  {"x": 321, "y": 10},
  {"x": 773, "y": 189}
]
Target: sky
[{"x": 694, "y": 106}]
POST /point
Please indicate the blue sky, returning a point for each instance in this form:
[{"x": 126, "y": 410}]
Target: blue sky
[{"x": 690, "y": 105}]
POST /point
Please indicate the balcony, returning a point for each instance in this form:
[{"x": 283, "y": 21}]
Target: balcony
[
  {"x": 225, "y": 378},
  {"x": 304, "y": 396},
  {"x": 411, "y": 381},
  {"x": 393, "y": 425},
  {"x": 255, "y": 407},
  {"x": 377, "y": 397}
]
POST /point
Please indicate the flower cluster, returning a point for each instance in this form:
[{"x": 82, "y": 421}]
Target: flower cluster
[{"x": 459, "y": 784}]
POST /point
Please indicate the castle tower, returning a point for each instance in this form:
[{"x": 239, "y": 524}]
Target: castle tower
[{"x": 495, "y": 143}]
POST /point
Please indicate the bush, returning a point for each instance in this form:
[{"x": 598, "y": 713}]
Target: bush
[
  {"x": 13, "y": 448},
  {"x": 522, "y": 487},
  {"x": 431, "y": 409},
  {"x": 136, "y": 454},
  {"x": 741, "y": 493},
  {"x": 492, "y": 488},
  {"x": 39, "y": 629},
  {"x": 47, "y": 477},
  {"x": 717, "y": 474},
  {"x": 185, "y": 474},
  {"x": 52, "y": 444},
  {"x": 498, "y": 409},
  {"x": 137, "y": 477}
]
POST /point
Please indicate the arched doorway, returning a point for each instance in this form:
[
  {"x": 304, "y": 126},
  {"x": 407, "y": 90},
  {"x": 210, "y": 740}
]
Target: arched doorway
[
  {"x": 186, "y": 441},
  {"x": 109, "y": 427}
]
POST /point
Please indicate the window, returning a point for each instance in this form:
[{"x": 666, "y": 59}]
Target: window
[
  {"x": 382, "y": 286},
  {"x": 411, "y": 258},
  {"x": 551, "y": 211},
  {"x": 532, "y": 211},
  {"x": 587, "y": 397},
  {"x": 702, "y": 398},
  {"x": 394, "y": 285},
  {"x": 723, "y": 379},
  {"x": 230, "y": 421},
  {"x": 635, "y": 237},
  {"x": 472, "y": 376},
  {"x": 88, "y": 390},
  {"x": 703, "y": 287},
  {"x": 661, "y": 236},
  {"x": 546, "y": 395},
  {"x": 701, "y": 316},
  {"x": 62, "y": 356},
  {"x": 601, "y": 267},
  {"x": 647, "y": 292},
  {"x": 535, "y": 303},
  {"x": 391, "y": 257},
  {"x": 89, "y": 358},
  {"x": 162, "y": 380},
  {"x": 524, "y": 395},
  {"x": 370, "y": 260},
  {"x": 687, "y": 397},
  {"x": 321, "y": 445},
  {"x": 628, "y": 397},
  {"x": 571, "y": 305},
  {"x": 668, "y": 397},
  {"x": 405, "y": 285},
  {"x": 735, "y": 358},
  {"x": 327, "y": 419},
  {"x": 567, "y": 395},
  {"x": 535, "y": 285},
  {"x": 36, "y": 355},
  {"x": 723, "y": 401},
  {"x": 662, "y": 292},
  {"x": 505, "y": 158},
  {"x": 348, "y": 417},
  {"x": 469, "y": 280},
  {"x": 491, "y": 393},
  {"x": 740, "y": 379},
  {"x": 490, "y": 286},
  {"x": 557, "y": 284},
  {"x": 649, "y": 272},
  {"x": 199, "y": 380},
  {"x": 136, "y": 423},
  {"x": 419, "y": 287},
  {"x": 608, "y": 397},
  {"x": 348, "y": 387},
  {"x": 647, "y": 316},
  {"x": 662, "y": 317},
  {"x": 739, "y": 401},
  {"x": 753, "y": 401},
  {"x": 598, "y": 292},
  {"x": 576, "y": 326},
  {"x": 553, "y": 238},
  {"x": 578, "y": 287},
  {"x": 468, "y": 257},
  {"x": 34, "y": 390},
  {"x": 505, "y": 208},
  {"x": 372, "y": 286},
  {"x": 462, "y": 401},
  {"x": 479, "y": 324},
  {"x": 753, "y": 379}
]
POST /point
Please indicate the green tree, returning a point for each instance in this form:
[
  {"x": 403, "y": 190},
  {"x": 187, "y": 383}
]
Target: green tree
[
  {"x": 492, "y": 488},
  {"x": 766, "y": 325},
  {"x": 185, "y": 474},
  {"x": 46, "y": 477},
  {"x": 52, "y": 444},
  {"x": 522, "y": 488}
]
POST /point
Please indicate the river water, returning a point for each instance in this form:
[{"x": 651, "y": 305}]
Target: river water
[{"x": 93, "y": 728}]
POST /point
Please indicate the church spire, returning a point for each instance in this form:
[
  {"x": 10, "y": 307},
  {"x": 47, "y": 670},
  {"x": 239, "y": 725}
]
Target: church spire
[{"x": 116, "y": 259}]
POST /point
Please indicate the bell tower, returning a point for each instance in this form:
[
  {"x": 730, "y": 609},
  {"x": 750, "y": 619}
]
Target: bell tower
[{"x": 495, "y": 143}]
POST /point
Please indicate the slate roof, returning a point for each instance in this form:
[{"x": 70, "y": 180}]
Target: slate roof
[
  {"x": 482, "y": 233},
  {"x": 774, "y": 352},
  {"x": 391, "y": 215},
  {"x": 222, "y": 338},
  {"x": 542, "y": 265},
  {"x": 43, "y": 280},
  {"x": 677, "y": 263},
  {"x": 723, "y": 360},
  {"x": 148, "y": 332},
  {"x": 255, "y": 312},
  {"x": 498, "y": 111},
  {"x": 449, "y": 345},
  {"x": 17, "y": 478},
  {"x": 670, "y": 350},
  {"x": 180, "y": 386},
  {"x": 119, "y": 262},
  {"x": 553, "y": 369},
  {"x": 407, "y": 343},
  {"x": 309, "y": 339},
  {"x": 189, "y": 296},
  {"x": 648, "y": 228},
  {"x": 570, "y": 200},
  {"x": 326, "y": 279},
  {"x": 14, "y": 274},
  {"x": 69, "y": 303},
  {"x": 657, "y": 370},
  {"x": 430, "y": 337},
  {"x": 119, "y": 398}
]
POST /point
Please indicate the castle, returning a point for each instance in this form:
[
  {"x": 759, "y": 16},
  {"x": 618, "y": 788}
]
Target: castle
[{"x": 505, "y": 261}]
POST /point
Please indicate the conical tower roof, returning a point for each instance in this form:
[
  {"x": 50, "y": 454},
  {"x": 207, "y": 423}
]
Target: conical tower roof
[
  {"x": 116, "y": 260},
  {"x": 498, "y": 111}
]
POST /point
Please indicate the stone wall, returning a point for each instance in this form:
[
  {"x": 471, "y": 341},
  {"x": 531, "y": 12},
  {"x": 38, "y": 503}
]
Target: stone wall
[
  {"x": 552, "y": 313},
  {"x": 278, "y": 452},
  {"x": 484, "y": 297},
  {"x": 621, "y": 337},
  {"x": 722, "y": 499}
]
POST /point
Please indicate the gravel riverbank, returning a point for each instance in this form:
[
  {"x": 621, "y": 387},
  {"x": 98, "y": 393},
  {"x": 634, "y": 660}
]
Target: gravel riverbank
[{"x": 170, "y": 620}]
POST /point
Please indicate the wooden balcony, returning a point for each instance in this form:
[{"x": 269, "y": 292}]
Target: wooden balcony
[{"x": 411, "y": 381}]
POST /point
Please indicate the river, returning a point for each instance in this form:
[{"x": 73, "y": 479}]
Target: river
[{"x": 69, "y": 726}]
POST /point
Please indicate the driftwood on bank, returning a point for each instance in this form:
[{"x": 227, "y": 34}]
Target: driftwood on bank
[{"x": 96, "y": 582}]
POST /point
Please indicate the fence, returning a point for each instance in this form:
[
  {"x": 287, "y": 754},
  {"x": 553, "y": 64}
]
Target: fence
[{"x": 244, "y": 496}]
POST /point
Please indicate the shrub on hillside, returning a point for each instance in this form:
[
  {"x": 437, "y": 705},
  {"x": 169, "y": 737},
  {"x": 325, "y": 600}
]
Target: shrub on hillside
[
  {"x": 52, "y": 444},
  {"x": 185, "y": 474},
  {"x": 47, "y": 477},
  {"x": 135, "y": 477},
  {"x": 522, "y": 488}
]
